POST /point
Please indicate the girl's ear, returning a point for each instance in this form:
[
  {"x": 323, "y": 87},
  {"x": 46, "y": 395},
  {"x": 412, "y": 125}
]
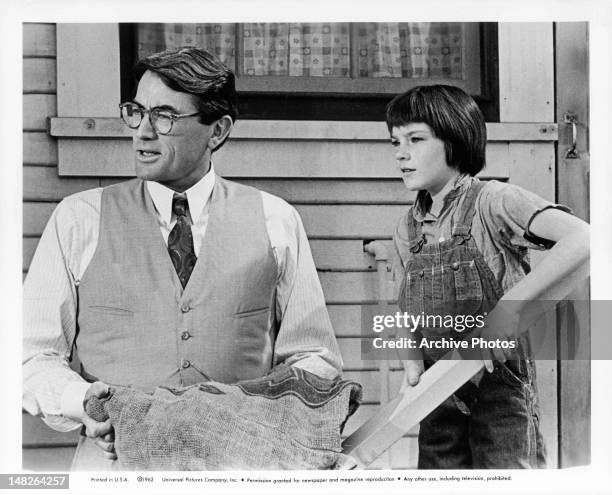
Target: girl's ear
[{"x": 221, "y": 129}]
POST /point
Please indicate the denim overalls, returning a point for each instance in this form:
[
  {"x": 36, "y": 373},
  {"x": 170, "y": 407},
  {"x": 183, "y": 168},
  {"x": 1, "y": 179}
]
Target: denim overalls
[{"x": 492, "y": 423}]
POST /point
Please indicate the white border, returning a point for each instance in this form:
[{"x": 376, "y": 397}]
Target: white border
[{"x": 596, "y": 478}]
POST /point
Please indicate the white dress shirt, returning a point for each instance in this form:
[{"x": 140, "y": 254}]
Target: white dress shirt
[{"x": 52, "y": 389}]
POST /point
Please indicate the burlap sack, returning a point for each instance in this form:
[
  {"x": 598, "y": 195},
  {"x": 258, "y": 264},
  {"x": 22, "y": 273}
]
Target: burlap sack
[{"x": 289, "y": 419}]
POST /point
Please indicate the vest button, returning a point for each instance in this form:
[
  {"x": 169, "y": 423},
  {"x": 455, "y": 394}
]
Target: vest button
[
  {"x": 185, "y": 364},
  {"x": 185, "y": 308},
  {"x": 185, "y": 335},
  {"x": 455, "y": 265}
]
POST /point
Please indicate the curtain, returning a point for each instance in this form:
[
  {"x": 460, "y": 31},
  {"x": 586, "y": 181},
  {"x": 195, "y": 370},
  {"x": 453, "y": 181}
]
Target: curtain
[
  {"x": 296, "y": 49},
  {"x": 408, "y": 50},
  {"x": 432, "y": 49},
  {"x": 265, "y": 49},
  {"x": 219, "y": 39}
]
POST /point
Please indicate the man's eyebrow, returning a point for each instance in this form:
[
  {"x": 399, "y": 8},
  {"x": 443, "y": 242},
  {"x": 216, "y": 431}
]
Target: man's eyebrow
[
  {"x": 161, "y": 107},
  {"x": 168, "y": 107}
]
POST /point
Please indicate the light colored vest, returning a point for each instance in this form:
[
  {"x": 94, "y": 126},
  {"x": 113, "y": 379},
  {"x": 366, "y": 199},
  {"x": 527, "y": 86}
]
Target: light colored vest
[{"x": 136, "y": 325}]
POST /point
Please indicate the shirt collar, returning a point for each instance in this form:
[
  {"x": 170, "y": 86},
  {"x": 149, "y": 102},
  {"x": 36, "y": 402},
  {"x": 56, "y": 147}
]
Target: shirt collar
[
  {"x": 197, "y": 196},
  {"x": 426, "y": 205}
]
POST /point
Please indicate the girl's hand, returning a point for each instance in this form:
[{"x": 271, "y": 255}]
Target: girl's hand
[
  {"x": 501, "y": 333},
  {"x": 413, "y": 369}
]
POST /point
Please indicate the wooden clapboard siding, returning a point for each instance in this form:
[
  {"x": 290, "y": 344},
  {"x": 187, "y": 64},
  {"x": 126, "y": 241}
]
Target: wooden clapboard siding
[
  {"x": 29, "y": 246},
  {"x": 43, "y": 184},
  {"x": 44, "y": 449},
  {"x": 36, "y": 110},
  {"x": 35, "y": 217},
  {"x": 36, "y": 433},
  {"x": 341, "y": 255},
  {"x": 328, "y": 255},
  {"x": 296, "y": 130},
  {"x": 346, "y": 319},
  {"x": 350, "y": 347},
  {"x": 39, "y": 40},
  {"x": 347, "y": 191},
  {"x": 39, "y": 149},
  {"x": 39, "y": 76},
  {"x": 321, "y": 159},
  {"x": 322, "y": 221}
]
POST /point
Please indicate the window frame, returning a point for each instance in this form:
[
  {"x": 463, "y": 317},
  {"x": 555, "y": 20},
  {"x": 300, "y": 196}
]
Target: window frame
[{"x": 340, "y": 98}]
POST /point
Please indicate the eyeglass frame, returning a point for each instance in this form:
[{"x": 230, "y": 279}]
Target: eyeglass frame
[{"x": 173, "y": 116}]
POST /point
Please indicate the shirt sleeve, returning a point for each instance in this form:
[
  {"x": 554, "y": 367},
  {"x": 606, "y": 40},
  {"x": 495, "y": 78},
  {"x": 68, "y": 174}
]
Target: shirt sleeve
[
  {"x": 509, "y": 210},
  {"x": 305, "y": 336},
  {"x": 50, "y": 387}
]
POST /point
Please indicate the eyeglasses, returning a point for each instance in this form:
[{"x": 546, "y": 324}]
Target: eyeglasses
[{"x": 161, "y": 120}]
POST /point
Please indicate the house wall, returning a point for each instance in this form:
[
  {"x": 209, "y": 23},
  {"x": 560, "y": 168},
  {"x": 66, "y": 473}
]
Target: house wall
[{"x": 343, "y": 184}]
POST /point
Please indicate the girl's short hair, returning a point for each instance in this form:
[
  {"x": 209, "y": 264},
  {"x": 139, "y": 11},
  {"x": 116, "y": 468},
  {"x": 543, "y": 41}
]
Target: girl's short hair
[{"x": 454, "y": 118}]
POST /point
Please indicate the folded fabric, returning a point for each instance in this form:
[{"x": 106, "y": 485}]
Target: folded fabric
[{"x": 289, "y": 419}]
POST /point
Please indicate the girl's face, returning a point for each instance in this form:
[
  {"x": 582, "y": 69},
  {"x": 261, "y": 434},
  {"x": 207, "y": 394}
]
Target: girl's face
[{"x": 421, "y": 157}]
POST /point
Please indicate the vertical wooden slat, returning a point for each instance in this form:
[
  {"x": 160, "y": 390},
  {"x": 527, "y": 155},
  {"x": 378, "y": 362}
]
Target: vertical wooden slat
[
  {"x": 94, "y": 92},
  {"x": 526, "y": 88},
  {"x": 573, "y": 177},
  {"x": 526, "y": 72},
  {"x": 533, "y": 168}
]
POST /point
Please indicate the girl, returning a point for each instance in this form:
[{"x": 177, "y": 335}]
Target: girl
[{"x": 462, "y": 249}]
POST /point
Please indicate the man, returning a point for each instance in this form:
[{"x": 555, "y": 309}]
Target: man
[{"x": 173, "y": 278}]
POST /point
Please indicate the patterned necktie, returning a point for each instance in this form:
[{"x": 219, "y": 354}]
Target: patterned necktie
[{"x": 180, "y": 241}]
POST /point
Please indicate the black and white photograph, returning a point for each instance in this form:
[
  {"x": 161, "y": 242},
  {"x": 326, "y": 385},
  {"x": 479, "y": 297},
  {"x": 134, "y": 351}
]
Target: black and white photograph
[{"x": 313, "y": 249}]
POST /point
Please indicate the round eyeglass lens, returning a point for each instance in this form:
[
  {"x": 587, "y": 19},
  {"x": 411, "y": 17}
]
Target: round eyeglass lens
[
  {"x": 161, "y": 122},
  {"x": 131, "y": 115}
]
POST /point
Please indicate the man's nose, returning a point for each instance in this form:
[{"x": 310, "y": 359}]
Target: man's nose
[{"x": 145, "y": 130}]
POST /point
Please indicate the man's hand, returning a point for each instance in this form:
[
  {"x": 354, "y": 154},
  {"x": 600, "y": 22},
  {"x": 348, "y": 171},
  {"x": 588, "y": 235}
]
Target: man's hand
[
  {"x": 413, "y": 369},
  {"x": 103, "y": 433}
]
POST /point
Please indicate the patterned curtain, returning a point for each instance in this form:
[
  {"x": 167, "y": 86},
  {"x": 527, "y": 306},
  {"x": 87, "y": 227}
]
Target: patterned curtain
[
  {"x": 379, "y": 50},
  {"x": 296, "y": 49},
  {"x": 320, "y": 50},
  {"x": 432, "y": 49},
  {"x": 265, "y": 49},
  {"x": 219, "y": 39},
  {"x": 408, "y": 50}
]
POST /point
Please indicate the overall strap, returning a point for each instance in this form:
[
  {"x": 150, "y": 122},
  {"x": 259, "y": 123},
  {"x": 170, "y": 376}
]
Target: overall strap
[
  {"x": 416, "y": 238},
  {"x": 463, "y": 225}
]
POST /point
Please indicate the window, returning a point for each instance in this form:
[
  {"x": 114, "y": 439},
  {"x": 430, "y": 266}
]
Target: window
[{"x": 330, "y": 71}]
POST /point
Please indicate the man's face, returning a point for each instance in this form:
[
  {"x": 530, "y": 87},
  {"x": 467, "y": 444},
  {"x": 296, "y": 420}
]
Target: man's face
[{"x": 181, "y": 158}]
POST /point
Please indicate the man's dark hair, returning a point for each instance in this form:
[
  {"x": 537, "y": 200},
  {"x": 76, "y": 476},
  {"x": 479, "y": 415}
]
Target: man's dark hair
[
  {"x": 195, "y": 71},
  {"x": 454, "y": 118}
]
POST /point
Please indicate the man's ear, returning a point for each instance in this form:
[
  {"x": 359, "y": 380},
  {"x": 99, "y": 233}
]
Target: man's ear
[{"x": 221, "y": 129}]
